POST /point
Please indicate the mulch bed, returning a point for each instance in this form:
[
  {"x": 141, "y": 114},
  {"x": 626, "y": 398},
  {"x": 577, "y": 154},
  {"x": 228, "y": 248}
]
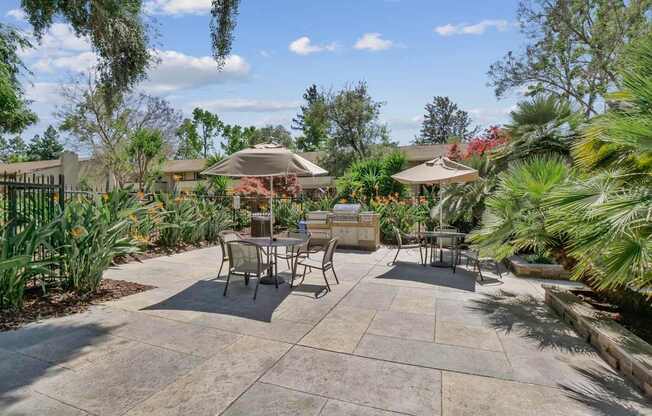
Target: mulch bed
[
  {"x": 159, "y": 252},
  {"x": 59, "y": 302},
  {"x": 639, "y": 322}
]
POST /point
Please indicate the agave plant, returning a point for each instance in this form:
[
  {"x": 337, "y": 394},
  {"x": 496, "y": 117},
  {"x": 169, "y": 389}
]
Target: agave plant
[
  {"x": 608, "y": 214},
  {"x": 515, "y": 217}
]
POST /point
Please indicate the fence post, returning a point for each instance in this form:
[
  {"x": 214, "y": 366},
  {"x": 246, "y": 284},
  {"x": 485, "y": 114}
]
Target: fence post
[{"x": 62, "y": 192}]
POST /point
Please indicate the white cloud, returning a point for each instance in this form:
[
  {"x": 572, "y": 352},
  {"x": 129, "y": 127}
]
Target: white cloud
[
  {"x": 179, "y": 71},
  {"x": 491, "y": 116},
  {"x": 242, "y": 105},
  {"x": 373, "y": 42},
  {"x": 17, "y": 14},
  {"x": 82, "y": 62},
  {"x": 474, "y": 29},
  {"x": 59, "y": 40},
  {"x": 177, "y": 7},
  {"x": 304, "y": 46}
]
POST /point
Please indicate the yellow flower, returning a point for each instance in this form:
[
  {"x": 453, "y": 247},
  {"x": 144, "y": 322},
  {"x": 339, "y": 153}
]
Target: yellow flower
[
  {"x": 55, "y": 197},
  {"x": 78, "y": 231},
  {"x": 141, "y": 195},
  {"x": 343, "y": 201},
  {"x": 105, "y": 196},
  {"x": 133, "y": 218}
]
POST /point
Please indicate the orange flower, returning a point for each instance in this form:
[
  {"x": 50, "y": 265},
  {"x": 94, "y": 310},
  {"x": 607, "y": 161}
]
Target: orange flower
[{"x": 55, "y": 197}]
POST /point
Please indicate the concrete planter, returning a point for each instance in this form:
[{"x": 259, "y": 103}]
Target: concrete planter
[
  {"x": 624, "y": 351},
  {"x": 521, "y": 268}
]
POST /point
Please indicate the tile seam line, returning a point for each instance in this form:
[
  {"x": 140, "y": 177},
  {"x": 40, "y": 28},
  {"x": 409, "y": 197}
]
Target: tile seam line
[
  {"x": 293, "y": 345},
  {"x": 436, "y": 369},
  {"x": 336, "y": 399},
  {"x": 65, "y": 403}
]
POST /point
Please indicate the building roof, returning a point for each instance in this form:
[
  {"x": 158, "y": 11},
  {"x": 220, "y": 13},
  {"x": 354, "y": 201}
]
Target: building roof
[
  {"x": 28, "y": 167},
  {"x": 424, "y": 152},
  {"x": 413, "y": 153},
  {"x": 186, "y": 165}
]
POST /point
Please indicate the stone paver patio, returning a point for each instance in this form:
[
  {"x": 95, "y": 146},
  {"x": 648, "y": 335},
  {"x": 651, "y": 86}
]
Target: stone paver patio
[{"x": 388, "y": 340}]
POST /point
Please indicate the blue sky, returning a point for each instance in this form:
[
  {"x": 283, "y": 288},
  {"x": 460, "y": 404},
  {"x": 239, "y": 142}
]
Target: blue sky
[{"x": 406, "y": 50}]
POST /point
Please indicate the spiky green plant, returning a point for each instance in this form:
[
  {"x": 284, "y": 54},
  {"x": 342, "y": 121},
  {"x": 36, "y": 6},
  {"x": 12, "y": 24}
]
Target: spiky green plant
[
  {"x": 90, "y": 234},
  {"x": 540, "y": 126},
  {"x": 608, "y": 212},
  {"x": 463, "y": 204},
  {"x": 515, "y": 217},
  {"x": 17, "y": 264}
]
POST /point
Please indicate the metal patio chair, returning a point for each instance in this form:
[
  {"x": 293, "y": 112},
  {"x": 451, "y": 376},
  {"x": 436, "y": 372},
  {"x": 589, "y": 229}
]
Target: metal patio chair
[
  {"x": 398, "y": 235},
  {"x": 292, "y": 252},
  {"x": 473, "y": 256},
  {"x": 323, "y": 264},
  {"x": 246, "y": 259},
  {"x": 224, "y": 237}
]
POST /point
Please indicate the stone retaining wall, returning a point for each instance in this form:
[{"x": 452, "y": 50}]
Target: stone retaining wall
[
  {"x": 520, "y": 267},
  {"x": 623, "y": 350}
]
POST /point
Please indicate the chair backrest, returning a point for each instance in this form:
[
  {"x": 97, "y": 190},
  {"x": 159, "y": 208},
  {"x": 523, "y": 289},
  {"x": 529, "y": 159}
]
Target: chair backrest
[
  {"x": 226, "y": 236},
  {"x": 299, "y": 247},
  {"x": 448, "y": 241},
  {"x": 329, "y": 252},
  {"x": 243, "y": 253},
  {"x": 397, "y": 235}
]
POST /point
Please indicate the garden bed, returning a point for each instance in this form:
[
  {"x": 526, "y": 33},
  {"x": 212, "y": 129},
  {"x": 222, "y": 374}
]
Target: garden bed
[
  {"x": 522, "y": 268},
  {"x": 626, "y": 352},
  {"x": 58, "y": 302}
]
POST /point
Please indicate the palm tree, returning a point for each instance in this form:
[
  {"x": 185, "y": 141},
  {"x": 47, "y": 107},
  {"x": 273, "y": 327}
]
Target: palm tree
[
  {"x": 607, "y": 212},
  {"x": 515, "y": 217},
  {"x": 539, "y": 126},
  {"x": 463, "y": 204}
]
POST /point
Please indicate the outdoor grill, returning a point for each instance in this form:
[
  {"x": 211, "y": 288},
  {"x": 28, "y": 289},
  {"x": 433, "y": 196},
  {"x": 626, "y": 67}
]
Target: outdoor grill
[
  {"x": 353, "y": 228},
  {"x": 345, "y": 213}
]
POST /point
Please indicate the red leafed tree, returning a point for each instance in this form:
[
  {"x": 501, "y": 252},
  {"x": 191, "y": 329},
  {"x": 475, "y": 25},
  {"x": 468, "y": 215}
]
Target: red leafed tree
[
  {"x": 492, "y": 137},
  {"x": 286, "y": 186},
  {"x": 454, "y": 152}
]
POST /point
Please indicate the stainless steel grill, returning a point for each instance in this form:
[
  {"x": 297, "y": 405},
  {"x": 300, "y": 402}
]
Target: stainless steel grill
[{"x": 345, "y": 213}]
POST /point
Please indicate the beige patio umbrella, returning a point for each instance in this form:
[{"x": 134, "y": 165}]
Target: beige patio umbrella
[
  {"x": 265, "y": 160},
  {"x": 440, "y": 171}
]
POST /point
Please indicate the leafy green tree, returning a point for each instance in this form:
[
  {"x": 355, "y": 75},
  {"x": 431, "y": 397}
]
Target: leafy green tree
[
  {"x": 15, "y": 115},
  {"x": 574, "y": 48},
  {"x": 312, "y": 121},
  {"x": 236, "y": 138},
  {"x": 13, "y": 150},
  {"x": 209, "y": 125},
  {"x": 115, "y": 28},
  {"x": 443, "y": 121},
  {"x": 277, "y": 134},
  {"x": 354, "y": 118},
  {"x": 146, "y": 150},
  {"x": 218, "y": 185},
  {"x": 46, "y": 147},
  {"x": 105, "y": 130},
  {"x": 190, "y": 144}
]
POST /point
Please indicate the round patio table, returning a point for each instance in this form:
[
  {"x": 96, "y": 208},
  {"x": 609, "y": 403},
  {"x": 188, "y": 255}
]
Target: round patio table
[
  {"x": 434, "y": 236},
  {"x": 272, "y": 246}
]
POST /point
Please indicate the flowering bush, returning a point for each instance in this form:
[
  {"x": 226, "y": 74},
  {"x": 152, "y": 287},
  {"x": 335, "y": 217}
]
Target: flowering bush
[
  {"x": 287, "y": 186},
  {"x": 492, "y": 137},
  {"x": 401, "y": 213}
]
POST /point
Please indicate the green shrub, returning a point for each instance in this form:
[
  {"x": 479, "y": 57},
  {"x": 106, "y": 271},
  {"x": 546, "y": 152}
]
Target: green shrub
[
  {"x": 287, "y": 214},
  {"x": 17, "y": 264},
  {"x": 369, "y": 178},
  {"x": 91, "y": 232}
]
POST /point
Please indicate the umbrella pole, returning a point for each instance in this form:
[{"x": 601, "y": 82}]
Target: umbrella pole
[
  {"x": 441, "y": 222},
  {"x": 271, "y": 207}
]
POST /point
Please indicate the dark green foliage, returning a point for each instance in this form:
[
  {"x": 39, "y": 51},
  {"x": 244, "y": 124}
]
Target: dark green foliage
[
  {"x": 116, "y": 30},
  {"x": 46, "y": 147},
  {"x": 369, "y": 178},
  {"x": 444, "y": 121}
]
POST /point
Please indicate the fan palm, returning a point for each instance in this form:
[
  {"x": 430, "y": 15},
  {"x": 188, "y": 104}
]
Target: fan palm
[
  {"x": 608, "y": 215},
  {"x": 463, "y": 204},
  {"x": 542, "y": 125},
  {"x": 515, "y": 219}
]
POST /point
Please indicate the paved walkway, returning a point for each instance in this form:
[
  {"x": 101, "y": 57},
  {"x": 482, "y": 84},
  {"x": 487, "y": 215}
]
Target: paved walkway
[{"x": 388, "y": 340}]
